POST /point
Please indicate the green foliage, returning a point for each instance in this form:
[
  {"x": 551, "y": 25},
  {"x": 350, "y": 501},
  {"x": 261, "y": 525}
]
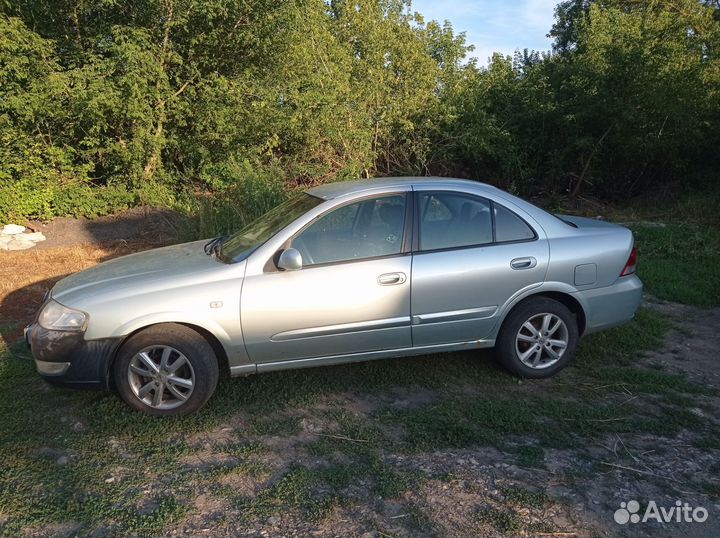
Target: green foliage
[
  {"x": 212, "y": 95},
  {"x": 85, "y": 201},
  {"x": 106, "y": 104},
  {"x": 628, "y": 101},
  {"x": 245, "y": 191}
]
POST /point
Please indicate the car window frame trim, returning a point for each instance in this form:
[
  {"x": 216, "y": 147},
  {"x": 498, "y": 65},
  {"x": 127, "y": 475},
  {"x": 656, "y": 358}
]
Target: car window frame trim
[
  {"x": 405, "y": 244},
  {"x": 416, "y": 224},
  {"x": 533, "y": 230}
]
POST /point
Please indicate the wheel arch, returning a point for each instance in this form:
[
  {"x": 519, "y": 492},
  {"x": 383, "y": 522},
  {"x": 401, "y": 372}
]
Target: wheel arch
[
  {"x": 217, "y": 347},
  {"x": 570, "y": 302},
  {"x": 563, "y": 297}
]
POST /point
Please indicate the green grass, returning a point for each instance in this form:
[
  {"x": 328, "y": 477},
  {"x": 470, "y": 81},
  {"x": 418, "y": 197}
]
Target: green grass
[
  {"x": 501, "y": 520},
  {"x": 530, "y": 456},
  {"x": 230, "y": 210},
  {"x": 711, "y": 489},
  {"x": 589, "y": 407},
  {"x": 475, "y": 403},
  {"x": 524, "y": 498},
  {"x": 680, "y": 262},
  {"x": 677, "y": 235}
]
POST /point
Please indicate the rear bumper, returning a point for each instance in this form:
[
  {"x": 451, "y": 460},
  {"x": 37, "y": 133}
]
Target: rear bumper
[
  {"x": 66, "y": 358},
  {"x": 611, "y": 305}
]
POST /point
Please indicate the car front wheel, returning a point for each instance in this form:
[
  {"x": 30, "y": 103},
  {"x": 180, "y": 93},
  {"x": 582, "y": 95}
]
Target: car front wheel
[
  {"x": 166, "y": 369},
  {"x": 538, "y": 338}
]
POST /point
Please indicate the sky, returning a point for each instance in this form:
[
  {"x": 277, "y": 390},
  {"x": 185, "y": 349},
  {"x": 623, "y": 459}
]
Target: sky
[{"x": 494, "y": 25}]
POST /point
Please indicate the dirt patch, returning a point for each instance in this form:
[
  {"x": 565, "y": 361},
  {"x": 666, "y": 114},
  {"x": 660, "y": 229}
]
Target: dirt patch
[
  {"x": 208, "y": 513},
  {"x": 693, "y": 342},
  {"x": 213, "y": 438},
  {"x": 71, "y": 246},
  {"x": 242, "y": 484},
  {"x": 208, "y": 462},
  {"x": 27, "y": 275},
  {"x": 136, "y": 225},
  {"x": 55, "y": 530},
  {"x": 401, "y": 398}
]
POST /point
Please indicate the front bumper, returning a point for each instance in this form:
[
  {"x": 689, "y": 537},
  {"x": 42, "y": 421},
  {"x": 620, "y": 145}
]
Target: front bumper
[{"x": 66, "y": 358}]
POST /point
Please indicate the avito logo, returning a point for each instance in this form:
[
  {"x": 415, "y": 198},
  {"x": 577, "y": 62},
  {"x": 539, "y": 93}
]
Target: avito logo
[{"x": 680, "y": 513}]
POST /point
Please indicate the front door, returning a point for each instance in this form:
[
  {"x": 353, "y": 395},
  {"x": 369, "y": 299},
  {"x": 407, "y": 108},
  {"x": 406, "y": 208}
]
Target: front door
[
  {"x": 471, "y": 257},
  {"x": 352, "y": 294}
]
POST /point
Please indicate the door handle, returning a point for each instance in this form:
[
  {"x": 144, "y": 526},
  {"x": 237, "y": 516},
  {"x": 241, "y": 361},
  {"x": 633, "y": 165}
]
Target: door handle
[
  {"x": 523, "y": 263},
  {"x": 391, "y": 279}
]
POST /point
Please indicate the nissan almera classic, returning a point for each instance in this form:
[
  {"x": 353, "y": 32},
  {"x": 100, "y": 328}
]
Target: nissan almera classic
[{"x": 341, "y": 273}]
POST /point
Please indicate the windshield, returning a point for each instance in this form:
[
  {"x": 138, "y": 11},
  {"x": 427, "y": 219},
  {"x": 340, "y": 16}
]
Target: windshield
[{"x": 239, "y": 245}]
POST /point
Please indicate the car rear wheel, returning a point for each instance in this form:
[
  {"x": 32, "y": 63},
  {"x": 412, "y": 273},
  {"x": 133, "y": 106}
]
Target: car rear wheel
[
  {"x": 166, "y": 369},
  {"x": 538, "y": 338}
]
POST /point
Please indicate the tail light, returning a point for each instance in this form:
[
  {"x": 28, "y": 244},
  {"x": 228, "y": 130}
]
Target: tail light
[{"x": 629, "y": 268}]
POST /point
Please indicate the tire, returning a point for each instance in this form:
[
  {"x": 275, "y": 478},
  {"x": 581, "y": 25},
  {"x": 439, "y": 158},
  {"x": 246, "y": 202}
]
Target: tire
[
  {"x": 515, "y": 340},
  {"x": 185, "y": 382}
]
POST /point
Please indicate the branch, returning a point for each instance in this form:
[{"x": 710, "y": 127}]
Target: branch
[
  {"x": 576, "y": 189},
  {"x": 342, "y": 438},
  {"x": 161, "y": 104},
  {"x": 640, "y": 471}
]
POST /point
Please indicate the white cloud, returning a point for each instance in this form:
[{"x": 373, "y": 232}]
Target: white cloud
[{"x": 495, "y": 25}]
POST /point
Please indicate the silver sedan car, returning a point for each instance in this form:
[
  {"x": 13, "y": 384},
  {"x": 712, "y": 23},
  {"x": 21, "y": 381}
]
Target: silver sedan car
[{"x": 341, "y": 273}]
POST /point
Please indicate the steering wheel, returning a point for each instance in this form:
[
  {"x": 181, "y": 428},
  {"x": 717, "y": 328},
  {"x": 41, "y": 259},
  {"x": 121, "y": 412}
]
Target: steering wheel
[{"x": 299, "y": 245}]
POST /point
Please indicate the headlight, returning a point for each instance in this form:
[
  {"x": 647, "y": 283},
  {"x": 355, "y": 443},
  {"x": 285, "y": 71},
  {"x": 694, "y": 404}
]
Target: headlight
[{"x": 57, "y": 317}]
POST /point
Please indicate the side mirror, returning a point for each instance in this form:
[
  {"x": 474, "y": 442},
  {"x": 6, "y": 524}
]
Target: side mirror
[{"x": 290, "y": 260}]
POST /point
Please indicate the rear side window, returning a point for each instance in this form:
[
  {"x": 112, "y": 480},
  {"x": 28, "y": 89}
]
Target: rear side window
[
  {"x": 450, "y": 220},
  {"x": 510, "y": 227}
]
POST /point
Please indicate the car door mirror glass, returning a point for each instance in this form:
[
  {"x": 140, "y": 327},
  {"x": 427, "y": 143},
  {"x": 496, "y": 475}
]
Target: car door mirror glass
[{"x": 290, "y": 260}]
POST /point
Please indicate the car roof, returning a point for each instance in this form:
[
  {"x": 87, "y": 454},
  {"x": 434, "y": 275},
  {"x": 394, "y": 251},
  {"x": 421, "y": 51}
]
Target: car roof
[{"x": 328, "y": 191}]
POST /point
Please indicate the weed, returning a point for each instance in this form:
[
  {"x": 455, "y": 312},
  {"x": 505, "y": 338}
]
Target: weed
[
  {"x": 524, "y": 498},
  {"x": 504, "y": 521}
]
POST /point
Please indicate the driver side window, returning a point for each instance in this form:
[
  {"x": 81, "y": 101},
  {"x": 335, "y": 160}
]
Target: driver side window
[{"x": 366, "y": 229}]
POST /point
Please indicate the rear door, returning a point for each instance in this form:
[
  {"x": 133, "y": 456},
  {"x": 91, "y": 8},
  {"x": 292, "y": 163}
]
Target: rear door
[{"x": 470, "y": 256}]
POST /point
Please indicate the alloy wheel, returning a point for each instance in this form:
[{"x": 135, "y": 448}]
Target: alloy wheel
[
  {"x": 541, "y": 341},
  {"x": 161, "y": 377}
]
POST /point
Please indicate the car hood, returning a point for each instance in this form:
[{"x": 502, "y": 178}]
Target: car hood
[{"x": 140, "y": 269}]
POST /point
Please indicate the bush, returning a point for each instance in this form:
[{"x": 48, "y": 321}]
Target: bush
[
  {"x": 245, "y": 191},
  {"x": 23, "y": 199},
  {"x": 83, "y": 200},
  {"x": 158, "y": 99}
]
